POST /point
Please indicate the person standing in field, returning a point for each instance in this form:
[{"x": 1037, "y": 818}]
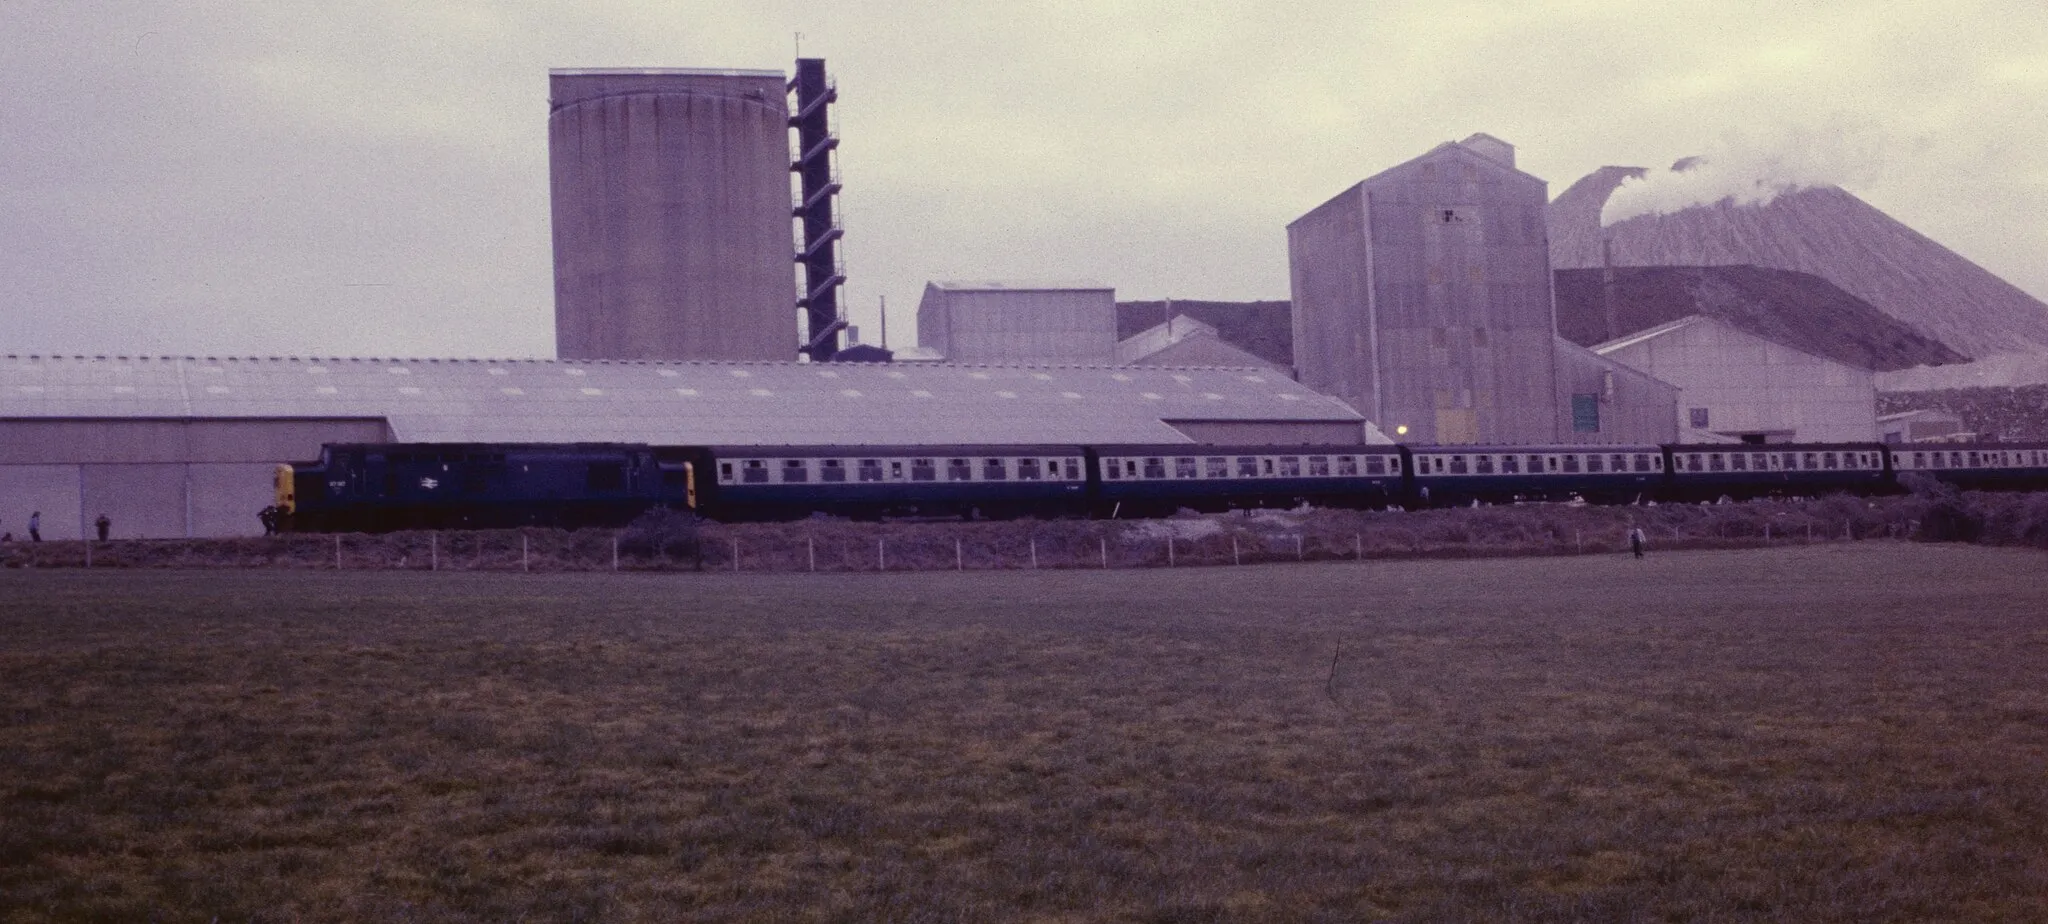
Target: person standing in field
[
  {"x": 35, "y": 526},
  {"x": 102, "y": 525},
  {"x": 1635, "y": 540}
]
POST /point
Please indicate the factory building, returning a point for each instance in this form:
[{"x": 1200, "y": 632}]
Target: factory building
[
  {"x": 185, "y": 446},
  {"x": 1184, "y": 341},
  {"x": 1926, "y": 425},
  {"x": 672, "y": 214},
  {"x": 1737, "y": 386},
  {"x": 1011, "y": 322},
  {"x": 1422, "y": 295}
]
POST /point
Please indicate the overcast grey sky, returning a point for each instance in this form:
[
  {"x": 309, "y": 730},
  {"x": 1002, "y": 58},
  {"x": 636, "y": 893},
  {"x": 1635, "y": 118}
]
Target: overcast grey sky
[{"x": 370, "y": 178}]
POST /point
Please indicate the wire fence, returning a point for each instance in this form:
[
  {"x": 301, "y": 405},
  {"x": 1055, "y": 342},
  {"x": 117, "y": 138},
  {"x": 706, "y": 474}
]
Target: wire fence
[{"x": 840, "y": 547}]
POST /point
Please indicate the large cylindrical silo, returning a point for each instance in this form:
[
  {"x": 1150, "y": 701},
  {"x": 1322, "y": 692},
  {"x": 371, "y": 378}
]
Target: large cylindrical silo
[{"x": 671, "y": 214}]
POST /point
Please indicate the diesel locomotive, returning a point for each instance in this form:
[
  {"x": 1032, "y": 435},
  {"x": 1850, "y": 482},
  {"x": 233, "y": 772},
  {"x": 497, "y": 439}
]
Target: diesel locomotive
[{"x": 379, "y": 487}]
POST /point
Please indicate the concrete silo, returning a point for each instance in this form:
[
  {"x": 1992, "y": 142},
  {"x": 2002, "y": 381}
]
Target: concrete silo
[{"x": 671, "y": 193}]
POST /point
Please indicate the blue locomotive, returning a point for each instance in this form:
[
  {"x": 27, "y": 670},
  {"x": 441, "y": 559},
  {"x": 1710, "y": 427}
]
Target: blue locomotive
[{"x": 380, "y": 487}]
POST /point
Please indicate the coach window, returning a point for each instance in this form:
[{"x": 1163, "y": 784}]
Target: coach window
[
  {"x": 1571, "y": 463},
  {"x": 1738, "y": 462},
  {"x": 994, "y": 470},
  {"x": 1510, "y": 465},
  {"x": 1715, "y": 463},
  {"x": 1184, "y": 467},
  {"x": 1694, "y": 462},
  {"x": 1939, "y": 459},
  {"x": 1112, "y": 469},
  {"x": 1919, "y": 460},
  {"x": 794, "y": 470},
  {"x": 1593, "y": 462},
  {"x": 1458, "y": 466},
  {"x": 1347, "y": 466},
  {"x": 924, "y": 470},
  {"x": 1155, "y": 467},
  {"x": 1482, "y": 465},
  {"x": 871, "y": 469},
  {"x": 1975, "y": 460},
  {"x": 1266, "y": 466},
  {"x": 832, "y": 470},
  {"x": 1215, "y": 467},
  {"x": 1290, "y": 466},
  {"x": 1394, "y": 466},
  {"x": 1374, "y": 465},
  {"x": 725, "y": 473},
  {"x": 1247, "y": 467},
  {"x": 1827, "y": 460},
  {"x": 755, "y": 472},
  {"x": 1319, "y": 466},
  {"x": 1617, "y": 463},
  {"x": 1535, "y": 465},
  {"x": 1027, "y": 469}
]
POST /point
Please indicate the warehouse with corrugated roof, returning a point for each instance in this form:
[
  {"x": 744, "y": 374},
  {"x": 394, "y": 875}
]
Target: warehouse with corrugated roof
[{"x": 185, "y": 446}]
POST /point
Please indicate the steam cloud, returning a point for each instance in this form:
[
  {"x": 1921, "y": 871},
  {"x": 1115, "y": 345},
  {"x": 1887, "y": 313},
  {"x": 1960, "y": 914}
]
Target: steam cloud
[{"x": 1734, "y": 172}]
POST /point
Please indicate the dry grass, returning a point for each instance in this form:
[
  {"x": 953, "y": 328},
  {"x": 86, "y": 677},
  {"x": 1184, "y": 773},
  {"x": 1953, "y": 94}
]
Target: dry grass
[{"x": 1849, "y": 732}]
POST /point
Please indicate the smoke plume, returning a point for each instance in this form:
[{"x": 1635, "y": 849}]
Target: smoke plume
[{"x": 1736, "y": 172}]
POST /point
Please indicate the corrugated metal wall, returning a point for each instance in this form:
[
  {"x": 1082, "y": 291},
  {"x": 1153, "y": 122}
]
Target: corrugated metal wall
[
  {"x": 1019, "y": 325},
  {"x": 154, "y": 478}
]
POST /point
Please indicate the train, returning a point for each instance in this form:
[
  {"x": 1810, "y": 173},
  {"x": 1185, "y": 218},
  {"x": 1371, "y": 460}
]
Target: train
[{"x": 378, "y": 487}]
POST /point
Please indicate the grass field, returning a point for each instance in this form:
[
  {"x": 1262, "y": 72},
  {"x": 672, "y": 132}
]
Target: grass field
[{"x": 1847, "y": 732}]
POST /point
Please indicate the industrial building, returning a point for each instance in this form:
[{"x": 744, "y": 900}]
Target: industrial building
[
  {"x": 672, "y": 214},
  {"x": 185, "y": 446},
  {"x": 1422, "y": 295},
  {"x": 1925, "y": 425},
  {"x": 1737, "y": 386},
  {"x": 1184, "y": 341},
  {"x": 1011, "y": 322}
]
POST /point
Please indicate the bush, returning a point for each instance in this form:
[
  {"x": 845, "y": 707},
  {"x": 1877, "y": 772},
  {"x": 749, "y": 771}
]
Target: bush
[{"x": 663, "y": 531}]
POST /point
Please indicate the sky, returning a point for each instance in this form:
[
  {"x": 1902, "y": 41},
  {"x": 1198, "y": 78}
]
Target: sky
[{"x": 369, "y": 177}]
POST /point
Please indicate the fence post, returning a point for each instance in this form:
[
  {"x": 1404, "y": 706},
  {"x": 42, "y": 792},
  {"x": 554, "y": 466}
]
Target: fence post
[
  {"x": 1169, "y": 551},
  {"x": 1578, "y": 542},
  {"x": 525, "y": 558},
  {"x": 615, "y": 551},
  {"x": 811, "y": 547},
  {"x": 735, "y": 554},
  {"x": 1034, "y": 553},
  {"x": 881, "y": 555},
  {"x": 1297, "y": 547},
  {"x": 959, "y": 561},
  {"x": 1104, "y": 544},
  {"x": 1767, "y": 532},
  {"x": 337, "y": 551},
  {"x": 1234, "y": 559},
  {"x": 434, "y": 552}
]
